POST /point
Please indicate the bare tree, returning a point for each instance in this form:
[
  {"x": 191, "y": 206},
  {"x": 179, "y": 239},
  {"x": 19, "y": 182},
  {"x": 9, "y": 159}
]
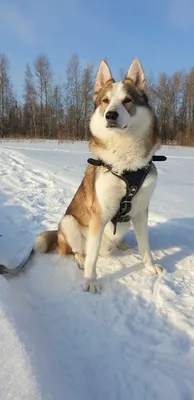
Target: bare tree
[
  {"x": 73, "y": 98},
  {"x": 6, "y": 95},
  {"x": 44, "y": 92},
  {"x": 87, "y": 85},
  {"x": 58, "y": 113},
  {"x": 30, "y": 97}
]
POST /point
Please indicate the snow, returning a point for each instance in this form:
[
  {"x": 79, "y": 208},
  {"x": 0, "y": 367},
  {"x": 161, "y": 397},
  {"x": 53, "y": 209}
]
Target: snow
[{"x": 136, "y": 339}]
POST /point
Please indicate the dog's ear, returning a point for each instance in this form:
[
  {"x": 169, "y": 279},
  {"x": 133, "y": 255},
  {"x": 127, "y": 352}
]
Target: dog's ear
[
  {"x": 103, "y": 75},
  {"x": 136, "y": 74}
]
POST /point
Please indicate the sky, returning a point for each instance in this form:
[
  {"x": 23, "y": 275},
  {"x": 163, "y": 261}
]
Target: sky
[{"x": 159, "y": 32}]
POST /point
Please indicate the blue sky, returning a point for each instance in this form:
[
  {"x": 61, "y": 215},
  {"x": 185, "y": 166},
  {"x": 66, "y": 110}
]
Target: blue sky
[{"x": 159, "y": 32}]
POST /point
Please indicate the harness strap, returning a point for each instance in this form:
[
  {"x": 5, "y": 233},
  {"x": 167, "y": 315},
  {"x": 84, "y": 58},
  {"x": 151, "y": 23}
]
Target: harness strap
[
  {"x": 133, "y": 181},
  {"x": 100, "y": 163},
  {"x": 133, "y": 184}
]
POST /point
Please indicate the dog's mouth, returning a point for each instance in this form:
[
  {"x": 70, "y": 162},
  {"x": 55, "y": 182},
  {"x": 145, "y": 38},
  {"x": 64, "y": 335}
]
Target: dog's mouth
[{"x": 112, "y": 124}]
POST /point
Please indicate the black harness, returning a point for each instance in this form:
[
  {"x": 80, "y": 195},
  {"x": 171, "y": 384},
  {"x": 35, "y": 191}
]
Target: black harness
[{"x": 133, "y": 180}]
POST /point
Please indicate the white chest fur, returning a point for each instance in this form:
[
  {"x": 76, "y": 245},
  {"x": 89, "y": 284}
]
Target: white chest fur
[{"x": 110, "y": 190}]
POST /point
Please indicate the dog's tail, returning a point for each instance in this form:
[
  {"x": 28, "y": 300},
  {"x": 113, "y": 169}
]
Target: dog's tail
[{"x": 44, "y": 243}]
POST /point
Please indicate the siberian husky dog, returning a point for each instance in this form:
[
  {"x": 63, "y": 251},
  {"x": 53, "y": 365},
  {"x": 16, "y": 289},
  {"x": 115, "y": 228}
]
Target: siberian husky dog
[{"x": 124, "y": 137}]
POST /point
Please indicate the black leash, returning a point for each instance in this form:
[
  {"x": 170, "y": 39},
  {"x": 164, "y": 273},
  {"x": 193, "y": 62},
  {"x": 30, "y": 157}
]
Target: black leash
[
  {"x": 133, "y": 180},
  {"x": 13, "y": 271}
]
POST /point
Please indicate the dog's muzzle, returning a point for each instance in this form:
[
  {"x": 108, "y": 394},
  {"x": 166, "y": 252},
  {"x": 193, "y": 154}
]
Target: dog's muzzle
[{"x": 111, "y": 118}]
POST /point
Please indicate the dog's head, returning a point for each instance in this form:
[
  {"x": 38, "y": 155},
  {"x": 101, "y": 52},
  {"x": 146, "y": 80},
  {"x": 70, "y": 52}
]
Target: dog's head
[{"x": 122, "y": 106}]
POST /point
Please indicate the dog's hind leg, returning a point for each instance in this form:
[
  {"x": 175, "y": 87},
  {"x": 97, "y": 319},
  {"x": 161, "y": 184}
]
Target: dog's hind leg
[
  {"x": 140, "y": 223},
  {"x": 110, "y": 241},
  {"x": 71, "y": 239}
]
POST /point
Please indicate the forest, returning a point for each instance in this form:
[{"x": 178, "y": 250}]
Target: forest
[{"x": 50, "y": 109}]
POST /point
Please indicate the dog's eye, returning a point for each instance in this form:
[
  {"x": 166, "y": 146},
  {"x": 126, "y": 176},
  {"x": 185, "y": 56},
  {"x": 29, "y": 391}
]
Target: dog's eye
[
  {"x": 127, "y": 100},
  {"x": 105, "y": 100}
]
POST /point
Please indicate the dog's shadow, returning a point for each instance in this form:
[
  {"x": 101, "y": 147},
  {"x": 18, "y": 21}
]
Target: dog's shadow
[{"x": 171, "y": 242}]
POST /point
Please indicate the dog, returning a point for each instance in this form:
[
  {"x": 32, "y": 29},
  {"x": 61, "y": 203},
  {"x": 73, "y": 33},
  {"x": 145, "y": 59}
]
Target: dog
[{"x": 124, "y": 137}]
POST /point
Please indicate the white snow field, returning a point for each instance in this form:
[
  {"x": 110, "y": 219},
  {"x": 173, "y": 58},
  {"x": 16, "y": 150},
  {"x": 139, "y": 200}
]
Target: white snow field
[{"x": 133, "y": 341}]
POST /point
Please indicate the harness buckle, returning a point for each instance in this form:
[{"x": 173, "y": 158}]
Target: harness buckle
[
  {"x": 125, "y": 206},
  {"x": 126, "y": 202},
  {"x": 132, "y": 191}
]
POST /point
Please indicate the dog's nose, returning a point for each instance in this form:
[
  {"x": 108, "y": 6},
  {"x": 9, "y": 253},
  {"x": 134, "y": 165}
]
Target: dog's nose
[{"x": 112, "y": 115}]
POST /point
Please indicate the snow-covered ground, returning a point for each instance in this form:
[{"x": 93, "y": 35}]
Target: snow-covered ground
[{"x": 134, "y": 341}]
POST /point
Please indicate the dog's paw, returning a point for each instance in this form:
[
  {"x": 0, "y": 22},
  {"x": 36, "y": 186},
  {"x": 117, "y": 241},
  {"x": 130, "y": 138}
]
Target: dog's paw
[
  {"x": 155, "y": 269},
  {"x": 123, "y": 246},
  {"x": 92, "y": 287}
]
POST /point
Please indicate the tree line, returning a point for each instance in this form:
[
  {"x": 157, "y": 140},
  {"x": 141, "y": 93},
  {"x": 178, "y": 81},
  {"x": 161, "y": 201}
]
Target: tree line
[{"x": 61, "y": 110}]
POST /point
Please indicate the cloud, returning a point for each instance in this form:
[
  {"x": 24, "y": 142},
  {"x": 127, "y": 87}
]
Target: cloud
[
  {"x": 14, "y": 21},
  {"x": 181, "y": 13}
]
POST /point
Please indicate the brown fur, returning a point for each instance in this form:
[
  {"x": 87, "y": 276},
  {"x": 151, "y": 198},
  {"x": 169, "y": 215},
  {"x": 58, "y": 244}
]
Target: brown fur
[
  {"x": 153, "y": 138},
  {"x": 95, "y": 142},
  {"x": 63, "y": 248},
  {"x": 98, "y": 96},
  {"x": 84, "y": 204},
  {"x": 84, "y": 208},
  {"x": 50, "y": 238},
  {"x": 138, "y": 95}
]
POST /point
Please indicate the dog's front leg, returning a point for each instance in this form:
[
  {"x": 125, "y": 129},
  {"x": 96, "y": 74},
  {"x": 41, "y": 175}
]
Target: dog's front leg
[
  {"x": 95, "y": 232},
  {"x": 140, "y": 223}
]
